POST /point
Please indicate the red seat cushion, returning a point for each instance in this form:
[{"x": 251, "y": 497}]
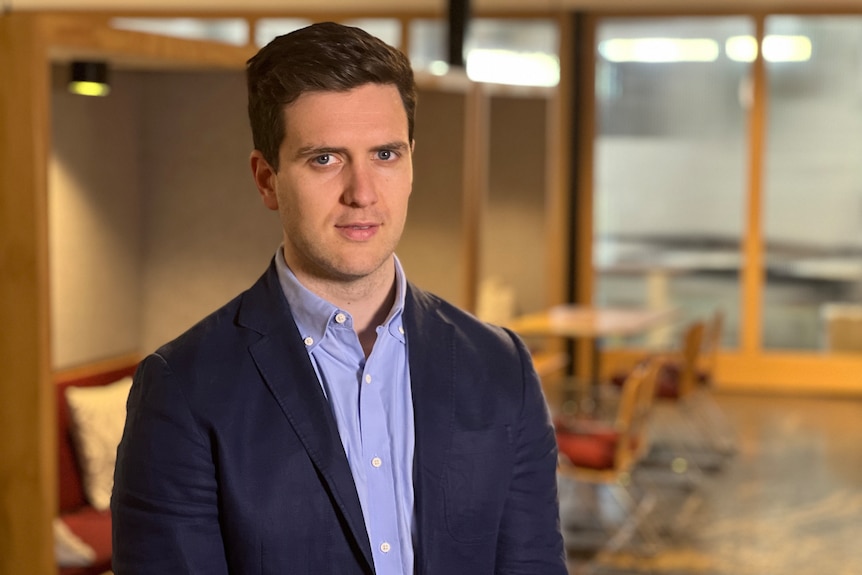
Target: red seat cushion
[
  {"x": 590, "y": 450},
  {"x": 93, "y": 528}
]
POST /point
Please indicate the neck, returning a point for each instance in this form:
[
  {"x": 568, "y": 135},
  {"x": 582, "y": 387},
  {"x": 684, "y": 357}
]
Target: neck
[{"x": 368, "y": 299}]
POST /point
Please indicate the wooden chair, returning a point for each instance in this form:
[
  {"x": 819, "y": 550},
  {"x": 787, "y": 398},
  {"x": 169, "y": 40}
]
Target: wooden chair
[
  {"x": 604, "y": 453},
  {"x": 688, "y": 378}
]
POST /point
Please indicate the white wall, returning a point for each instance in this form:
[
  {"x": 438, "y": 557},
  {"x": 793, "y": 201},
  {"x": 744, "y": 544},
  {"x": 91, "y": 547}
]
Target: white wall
[
  {"x": 95, "y": 225},
  {"x": 514, "y": 237},
  {"x": 208, "y": 236},
  {"x": 433, "y": 246}
]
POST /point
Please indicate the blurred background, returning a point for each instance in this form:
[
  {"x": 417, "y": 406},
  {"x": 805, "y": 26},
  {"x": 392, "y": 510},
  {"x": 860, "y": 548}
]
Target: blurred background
[{"x": 669, "y": 162}]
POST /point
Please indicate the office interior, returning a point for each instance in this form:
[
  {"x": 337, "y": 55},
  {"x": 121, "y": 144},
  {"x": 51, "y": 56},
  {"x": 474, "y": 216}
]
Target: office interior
[{"x": 714, "y": 171}]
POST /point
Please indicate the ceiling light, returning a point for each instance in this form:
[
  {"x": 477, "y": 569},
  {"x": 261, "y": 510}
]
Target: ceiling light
[
  {"x": 89, "y": 79},
  {"x": 659, "y": 50},
  {"x": 776, "y": 48}
]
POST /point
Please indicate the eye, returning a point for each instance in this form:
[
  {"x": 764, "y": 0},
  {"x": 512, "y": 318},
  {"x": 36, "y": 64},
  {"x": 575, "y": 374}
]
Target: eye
[
  {"x": 385, "y": 155},
  {"x": 322, "y": 159}
]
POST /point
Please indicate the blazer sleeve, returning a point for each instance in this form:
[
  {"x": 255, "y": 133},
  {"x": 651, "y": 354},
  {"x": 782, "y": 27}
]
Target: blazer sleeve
[
  {"x": 165, "y": 503},
  {"x": 530, "y": 541}
]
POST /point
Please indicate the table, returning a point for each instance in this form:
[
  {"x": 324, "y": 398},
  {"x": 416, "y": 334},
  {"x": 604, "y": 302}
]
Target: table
[{"x": 590, "y": 323}]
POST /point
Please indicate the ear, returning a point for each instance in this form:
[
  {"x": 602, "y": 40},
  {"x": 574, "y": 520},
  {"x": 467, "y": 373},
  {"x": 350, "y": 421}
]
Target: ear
[{"x": 265, "y": 179}]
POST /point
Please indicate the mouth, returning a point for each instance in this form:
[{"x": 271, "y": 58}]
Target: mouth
[{"x": 358, "y": 231}]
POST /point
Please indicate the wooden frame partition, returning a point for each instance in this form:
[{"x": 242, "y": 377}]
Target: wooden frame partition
[
  {"x": 29, "y": 42},
  {"x": 27, "y": 441}
]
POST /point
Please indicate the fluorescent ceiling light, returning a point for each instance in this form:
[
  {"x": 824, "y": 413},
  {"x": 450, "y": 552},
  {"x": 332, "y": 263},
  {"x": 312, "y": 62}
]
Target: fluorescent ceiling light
[
  {"x": 741, "y": 48},
  {"x": 657, "y": 50},
  {"x": 518, "y": 68},
  {"x": 776, "y": 48},
  {"x": 787, "y": 48}
]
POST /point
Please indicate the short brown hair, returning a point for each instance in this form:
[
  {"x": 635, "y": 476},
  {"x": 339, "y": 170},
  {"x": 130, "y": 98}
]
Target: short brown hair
[{"x": 323, "y": 57}]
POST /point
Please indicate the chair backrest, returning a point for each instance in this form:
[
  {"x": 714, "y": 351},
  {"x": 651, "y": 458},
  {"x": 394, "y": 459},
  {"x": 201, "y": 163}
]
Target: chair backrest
[
  {"x": 692, "y": 345},
  {"x": 711, "y": 345},
  {"x": 636, "y": 399},
  {"x": 842, "y": 327}
]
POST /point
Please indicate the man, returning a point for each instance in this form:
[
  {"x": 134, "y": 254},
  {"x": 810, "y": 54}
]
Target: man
[{"x": 334, "y": 419}]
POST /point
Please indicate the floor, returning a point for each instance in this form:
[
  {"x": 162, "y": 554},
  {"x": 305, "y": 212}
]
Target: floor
[{"x": 788, "y": 502}]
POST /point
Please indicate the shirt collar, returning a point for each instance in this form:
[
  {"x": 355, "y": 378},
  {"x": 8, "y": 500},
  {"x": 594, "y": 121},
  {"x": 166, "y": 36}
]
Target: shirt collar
[{"x": 313, "y": 314}]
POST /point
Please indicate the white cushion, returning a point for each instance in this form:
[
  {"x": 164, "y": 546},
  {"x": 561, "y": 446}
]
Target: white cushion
[{"x": 98, "y": 414}]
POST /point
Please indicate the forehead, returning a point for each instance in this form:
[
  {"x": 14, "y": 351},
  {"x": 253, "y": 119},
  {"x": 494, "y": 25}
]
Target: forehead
[{"x": 370, "y": 109}]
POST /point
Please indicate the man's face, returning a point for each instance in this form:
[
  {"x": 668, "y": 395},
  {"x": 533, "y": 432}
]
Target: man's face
[{"x": 344, "y": 179}]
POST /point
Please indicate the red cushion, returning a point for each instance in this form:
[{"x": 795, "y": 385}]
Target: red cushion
[
  {"x": 667, "y": 382},
  {"x": 593, "y": 451},
  {"x": 93, "y": 528},
  {"x": 598, "y": 429}
]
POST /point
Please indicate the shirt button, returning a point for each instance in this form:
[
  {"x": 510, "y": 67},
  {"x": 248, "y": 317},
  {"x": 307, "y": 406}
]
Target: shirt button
[
  {"x": 308, "y": 341},
  {"x": 385, "y": 547},
  {"x": 368, "y": 379},
  {"x": 340, "y": 318},
  {"x": 401, "y": 329},
  {"x": 376, "y": 462}
]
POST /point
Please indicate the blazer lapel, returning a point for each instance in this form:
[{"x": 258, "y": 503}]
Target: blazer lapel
[
  {"x": 287, "y": 370},
  {"x": 431, "y": 352}
]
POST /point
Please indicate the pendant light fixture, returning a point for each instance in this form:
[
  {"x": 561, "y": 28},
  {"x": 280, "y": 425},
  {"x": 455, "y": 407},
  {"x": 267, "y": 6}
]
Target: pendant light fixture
[{"x": 89, "y": 78}]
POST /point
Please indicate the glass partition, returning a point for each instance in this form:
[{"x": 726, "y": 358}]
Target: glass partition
[
  {"x": 227, "y": 30},
  {"x": 266, "y": 29},
  {"x": 518, "y": 52},
  {"x": 813, "y": 183},
  {"x": 671, "y": 166}
]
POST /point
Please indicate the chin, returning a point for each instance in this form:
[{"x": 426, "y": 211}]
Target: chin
[{"x": 352, "y": 270}]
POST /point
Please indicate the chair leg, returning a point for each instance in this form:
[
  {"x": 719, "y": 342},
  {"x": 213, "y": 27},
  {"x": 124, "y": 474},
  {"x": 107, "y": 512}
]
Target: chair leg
[
  {"x": 722, "y": 435},
  {"x": 638, "y": 521}
]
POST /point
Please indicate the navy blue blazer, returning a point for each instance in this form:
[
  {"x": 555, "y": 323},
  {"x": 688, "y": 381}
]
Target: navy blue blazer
[{"x": 231, "y": 461}]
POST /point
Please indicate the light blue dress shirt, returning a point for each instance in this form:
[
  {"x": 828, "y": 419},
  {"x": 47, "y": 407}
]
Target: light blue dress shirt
[{"x": 373, "y": 407}]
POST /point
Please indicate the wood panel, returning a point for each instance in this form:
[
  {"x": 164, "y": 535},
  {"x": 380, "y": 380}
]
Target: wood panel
[
  {"x": 475, "y": 190},
  {"x": 70, "y": 37},
  {"x": 583, "y": 137},
  {"x": 753, "y": 267},
  {"x": 27, "y": 439},
  {"x": 773, "y": 373}
]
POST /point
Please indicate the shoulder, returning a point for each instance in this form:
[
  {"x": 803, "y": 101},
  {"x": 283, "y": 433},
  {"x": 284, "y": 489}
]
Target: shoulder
[
  {"x": 211, "y": 332},
  {"x": 471, "y": 332},
  {"x": 231, "y": 328}
]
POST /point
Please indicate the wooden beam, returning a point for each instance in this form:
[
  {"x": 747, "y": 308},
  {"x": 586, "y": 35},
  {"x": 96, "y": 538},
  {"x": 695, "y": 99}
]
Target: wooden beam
[
  {"x": 475, "y": 198},
  {"x": 799, "y": 373},
  {"x": 71, "y": 37},
  {"x": 583, "y": 138},
  {"x": 27, "y": 439},
  {"x": 752, "y": 278}
]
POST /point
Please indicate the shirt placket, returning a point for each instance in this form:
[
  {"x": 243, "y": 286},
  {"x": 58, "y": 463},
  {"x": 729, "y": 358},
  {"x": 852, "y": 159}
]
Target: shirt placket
[{"x": 377, "y": 453}]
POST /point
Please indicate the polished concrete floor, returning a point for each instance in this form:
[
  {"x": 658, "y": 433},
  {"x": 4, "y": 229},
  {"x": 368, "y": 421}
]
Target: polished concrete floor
[{"x": 789, "y": 501}]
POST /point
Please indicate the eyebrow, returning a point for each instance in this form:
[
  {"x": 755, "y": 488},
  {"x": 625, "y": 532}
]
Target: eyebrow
[{"x": 307, "y": 151}]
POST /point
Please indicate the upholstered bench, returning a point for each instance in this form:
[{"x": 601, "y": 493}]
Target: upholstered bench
[{"x": 90, "y": 410}]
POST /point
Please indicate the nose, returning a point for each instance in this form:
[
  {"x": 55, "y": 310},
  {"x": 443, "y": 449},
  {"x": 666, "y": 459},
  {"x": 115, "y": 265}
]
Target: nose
[{"x": 359, "y": 185}]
